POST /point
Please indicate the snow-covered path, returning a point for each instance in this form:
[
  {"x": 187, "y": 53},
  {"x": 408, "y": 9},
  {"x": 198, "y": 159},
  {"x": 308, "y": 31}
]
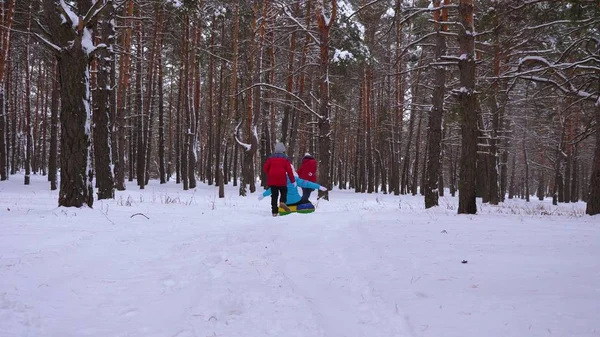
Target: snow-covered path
[{"x": 362, "y": 265}]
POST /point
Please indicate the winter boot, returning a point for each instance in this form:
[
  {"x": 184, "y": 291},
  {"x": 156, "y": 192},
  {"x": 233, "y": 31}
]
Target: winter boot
[{"x": 284, "y": 206}]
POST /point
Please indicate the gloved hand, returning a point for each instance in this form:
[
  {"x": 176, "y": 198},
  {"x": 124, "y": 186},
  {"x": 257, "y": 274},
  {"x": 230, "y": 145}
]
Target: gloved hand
[
  {"x": 260, "y": 197},
  {"x": 323, "y": 188}
]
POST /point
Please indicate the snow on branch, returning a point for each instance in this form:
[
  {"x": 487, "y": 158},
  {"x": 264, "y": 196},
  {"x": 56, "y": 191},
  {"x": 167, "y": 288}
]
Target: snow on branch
[
  {"x": 236, "y": 134},
  {"x": 323, "y": 20},
  {"x": 69, "y": 16},
  {"x": 565, "y": 85},
  {"x": 299, "y": 24},
  {"x": 363, "y": 7},
  {"x": 92, "y": 15},
  {"x": 577, "y": 22},
  {"x": 270, "y": 86},
  {"x": 47, "y": 42},
  {"x": 424, "y": 10}
]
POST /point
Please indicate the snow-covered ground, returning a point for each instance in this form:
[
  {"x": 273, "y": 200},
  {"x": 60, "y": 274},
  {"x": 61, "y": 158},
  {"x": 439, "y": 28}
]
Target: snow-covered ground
[{"x": 163, "y": 262}]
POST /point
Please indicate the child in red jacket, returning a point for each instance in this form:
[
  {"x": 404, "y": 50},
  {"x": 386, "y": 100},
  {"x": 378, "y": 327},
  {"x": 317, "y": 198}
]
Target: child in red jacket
[
  {"x": 307, "y": 171},
  {"x": 277, "y": 167}
]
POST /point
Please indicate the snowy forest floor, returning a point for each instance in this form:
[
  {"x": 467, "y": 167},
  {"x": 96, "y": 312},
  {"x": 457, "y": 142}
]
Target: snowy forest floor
[{"x": 369, "y": 265}]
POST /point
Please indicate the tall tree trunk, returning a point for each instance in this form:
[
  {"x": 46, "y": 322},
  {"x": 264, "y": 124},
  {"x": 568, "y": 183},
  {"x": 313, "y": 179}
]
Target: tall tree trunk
[
  {"x": 185, "y": 109},
  {"x": 467, "y": 109},
  {"x": 210, "y": 110},
  {"x": 492, "y": 171},
  {"x": 161, "y": 125},
  {"x": 511, "y": 188},
  {"x": 436, "y": 113},
  {"x": 399, "y": 106},
  {"x": 574, "y": 174},
  {"x": 102, "y": 104},
  {"x": 44, "y": 153},
  {"x": 73, "y": 65},
  {"x": 140, "y": 114},
  {"x": 6, "y": 20},
  {"x": 155, "y": 49},
  {"x": 289, "y": 83},
  {"x": 324, "y": 122},
  {"x": 540, "y": 193},
  {"x": 222, "y": 173},
  {"x": 251, "y": 131},
  {"x": 593, "y": 202},
  {"x": 13, "y": 127},
  {"x": 120, "y": 124},
  {"x": 220, "y": 126},
  {"x": 193, "y": 107},
  {"x": 558, "y": 190},
  {"x": 28, "y": 125},
  {"x": 301, "y": 84},
  {"x": 415, "y": 176},
  {"x": 526, "y": 160}
]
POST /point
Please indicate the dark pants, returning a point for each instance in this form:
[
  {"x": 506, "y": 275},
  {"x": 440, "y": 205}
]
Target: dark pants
[
  {"x": 305, "y": 194},
  {"x": 275, "y": 192}
]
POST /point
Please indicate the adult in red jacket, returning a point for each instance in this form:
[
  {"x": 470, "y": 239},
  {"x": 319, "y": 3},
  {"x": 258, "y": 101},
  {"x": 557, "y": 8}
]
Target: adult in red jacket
[
  {"x": 307, "y": 171},
  {"x": 277, "y": 167}
]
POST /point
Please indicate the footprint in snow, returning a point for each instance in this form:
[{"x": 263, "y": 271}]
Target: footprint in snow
[
  {"x": 129, "y": 313},
  {"x": 168, "y": 282}
]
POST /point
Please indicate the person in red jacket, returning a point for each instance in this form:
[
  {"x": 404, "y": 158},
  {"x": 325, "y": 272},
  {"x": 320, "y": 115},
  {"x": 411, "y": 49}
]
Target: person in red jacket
[
  {"x": 307, "y": 171},
  {"x": 277, "y": 167}
]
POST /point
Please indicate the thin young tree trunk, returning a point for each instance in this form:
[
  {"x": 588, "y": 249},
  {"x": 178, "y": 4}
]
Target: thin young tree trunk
[
  {"x": 183, "y": 101},
  {"x": 569, "y": 156},
  {"x": 406, "y": 170},
  {"x": 247, "y": 174},
  {"x": 482, "y": 188},
  {"x": 6, "y": 20},
  {"x": 511, "y": 188},
  {"x": 35, "y": 139},
  {"x": 211, "y": 98},
  {"x": 131, "y": 155},
  {"x": 28, "y": 125},
  {"x": 156, "y": 49},
  {"x": 526, "y": 160},
  {"x": 43, "y": 164},
  {"x": 52, "y": 161},
  {"x": 220, "y": 126},
  {"x": 415, "y": 176},
  {"x": 396, "y": 146},
  {"x": 301, "y": 85},
  {"x": 120, "y": 126},
  {"x": 193, "y": 107},
  {"x": 558, "y": 190},
  {"x": 13, "y": 134},
  {"x": 161, "y": 125},
  {"x": 289, "y": 83},
  {"x": 170, "y": 138},
  {"x": 574, "y": 174},
  {"x": 139, "y": 113},
  {"x": 222, "y": 174},
  {"x": 367, "y": 103}
]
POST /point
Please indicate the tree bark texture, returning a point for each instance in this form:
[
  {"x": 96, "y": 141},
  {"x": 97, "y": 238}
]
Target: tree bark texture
[{"x": 467, "y": 108}]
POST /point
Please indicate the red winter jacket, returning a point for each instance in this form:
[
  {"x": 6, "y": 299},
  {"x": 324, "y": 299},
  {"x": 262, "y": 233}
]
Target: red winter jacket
[
  {"x": 308, "y": 169},
  {"x": 277, "y": 167}
]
